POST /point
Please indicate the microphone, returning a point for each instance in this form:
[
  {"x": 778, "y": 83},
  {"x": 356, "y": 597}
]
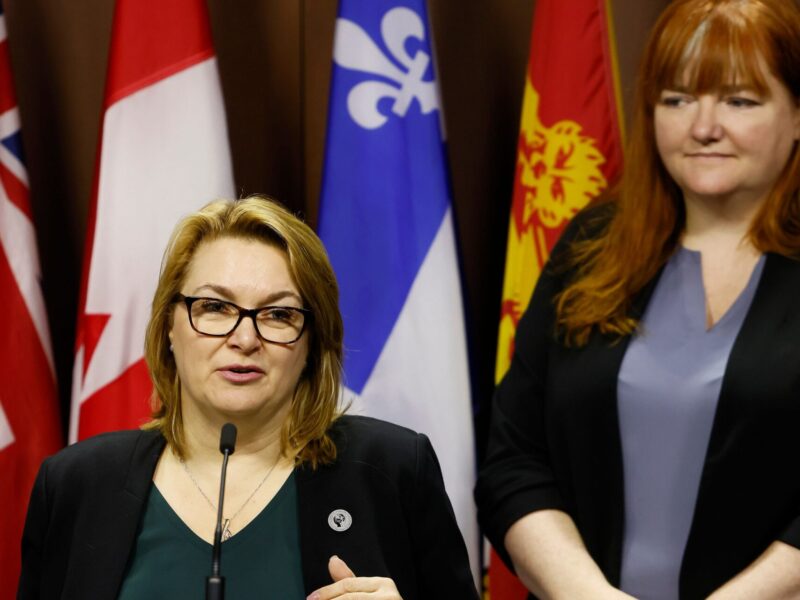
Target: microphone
[{"x": 215, "y": 583}]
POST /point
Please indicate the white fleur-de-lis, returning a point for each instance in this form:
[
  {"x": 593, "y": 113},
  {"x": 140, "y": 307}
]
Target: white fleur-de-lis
[{"x": 354, "y": 49}]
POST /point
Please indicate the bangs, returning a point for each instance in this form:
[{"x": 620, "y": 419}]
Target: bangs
[{"x": 708, "y": 51}]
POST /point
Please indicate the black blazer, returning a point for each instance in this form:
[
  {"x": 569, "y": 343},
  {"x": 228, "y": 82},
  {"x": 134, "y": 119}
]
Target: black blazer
[
  {"x": 555, "y": 440},
  {"x": 87, "y": 501}
]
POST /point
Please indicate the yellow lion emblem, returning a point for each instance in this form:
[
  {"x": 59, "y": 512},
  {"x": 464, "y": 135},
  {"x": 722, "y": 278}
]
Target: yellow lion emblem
[
  {"x": 560, "y": 167},
  {"x": 559, "y": 172}
]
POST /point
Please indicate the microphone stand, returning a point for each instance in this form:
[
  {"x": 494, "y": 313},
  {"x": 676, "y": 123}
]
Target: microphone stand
[{"x": 215, "y": 583}]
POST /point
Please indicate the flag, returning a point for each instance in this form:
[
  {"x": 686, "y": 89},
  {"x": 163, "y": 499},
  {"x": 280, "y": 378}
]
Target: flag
[
  {"x": 29, "y": 423},
  {"x": 163, "y": 152},
  {"x": 386, "y": 220},
  {"x": 569, "y": 149}
]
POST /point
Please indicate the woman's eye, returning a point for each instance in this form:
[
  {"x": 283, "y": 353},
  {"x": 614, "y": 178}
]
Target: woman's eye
[
  {"x": 673, "y": 100},
  {"x": 215, "y": 306},
  {"x": 279, "y": 314},
  {"x": 741, "y": 102}
]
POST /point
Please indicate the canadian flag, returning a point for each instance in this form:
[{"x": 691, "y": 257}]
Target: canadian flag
[
  {"x": 29, "y": 422},
  {"x": 163, "y": 153}
]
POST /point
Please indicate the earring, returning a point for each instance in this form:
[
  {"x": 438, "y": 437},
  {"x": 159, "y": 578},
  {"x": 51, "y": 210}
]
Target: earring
[{"x": 171, "y": 348}]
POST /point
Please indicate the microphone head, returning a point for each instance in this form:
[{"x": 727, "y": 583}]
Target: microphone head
[{"x": 227, "y": 439}]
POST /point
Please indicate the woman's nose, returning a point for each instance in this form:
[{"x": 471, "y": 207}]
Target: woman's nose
[
  {"x": 245, "y": 336},
  {"x": 706, "y": 127}
]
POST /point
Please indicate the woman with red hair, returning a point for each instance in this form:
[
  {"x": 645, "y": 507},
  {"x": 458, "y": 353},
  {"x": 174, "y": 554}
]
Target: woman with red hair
[{"x": 646, "y": 440}]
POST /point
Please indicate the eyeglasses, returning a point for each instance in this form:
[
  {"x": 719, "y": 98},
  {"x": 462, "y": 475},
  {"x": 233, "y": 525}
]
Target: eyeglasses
[{"x": 219, "y": 318}]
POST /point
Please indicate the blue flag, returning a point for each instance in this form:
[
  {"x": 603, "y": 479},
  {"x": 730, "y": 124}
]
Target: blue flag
[{"x": 386, "y": 221}]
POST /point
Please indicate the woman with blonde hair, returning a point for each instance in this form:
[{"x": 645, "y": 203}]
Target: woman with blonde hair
[
  {"x": 245, "y": 329},
  {"x": 645, "y": 440}
]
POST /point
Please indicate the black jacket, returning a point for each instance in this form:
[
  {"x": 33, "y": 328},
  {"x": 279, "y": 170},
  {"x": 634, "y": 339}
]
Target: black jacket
[
  {"x": 87, "y": 501},
  {"x": 555, "y": 440}
]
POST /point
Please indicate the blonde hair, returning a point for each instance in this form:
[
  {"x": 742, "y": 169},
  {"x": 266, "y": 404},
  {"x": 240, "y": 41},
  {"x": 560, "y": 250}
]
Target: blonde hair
[{"x": 315, "y": 404}]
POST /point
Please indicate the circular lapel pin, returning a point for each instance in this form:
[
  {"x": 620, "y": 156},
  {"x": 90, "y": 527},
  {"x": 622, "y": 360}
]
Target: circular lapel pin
[{"x": 340, "y": 520}]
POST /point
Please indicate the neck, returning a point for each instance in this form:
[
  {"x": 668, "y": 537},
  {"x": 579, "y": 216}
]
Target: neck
[
  {"x": 716, "y": 221},
  {"x": 254, "y": 440}
]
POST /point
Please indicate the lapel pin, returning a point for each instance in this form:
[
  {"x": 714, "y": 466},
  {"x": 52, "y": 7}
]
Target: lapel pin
[{"x": 340, "y": 520}]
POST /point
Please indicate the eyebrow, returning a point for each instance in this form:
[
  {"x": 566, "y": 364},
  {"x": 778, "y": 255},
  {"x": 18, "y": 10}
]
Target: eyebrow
[
  {"x": 228, "y": 294},
  {"x": 725, "y": 89}
]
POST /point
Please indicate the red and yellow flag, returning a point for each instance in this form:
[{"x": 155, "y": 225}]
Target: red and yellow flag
[{"x": 569, "y": 149}]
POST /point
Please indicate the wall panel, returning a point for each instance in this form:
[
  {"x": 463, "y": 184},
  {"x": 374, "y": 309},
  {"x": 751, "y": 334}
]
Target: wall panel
[{"x": 274, "y": 58}]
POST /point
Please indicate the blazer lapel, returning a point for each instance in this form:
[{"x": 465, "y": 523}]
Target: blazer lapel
[
  {"x": 754, "y": 426},
  {"x": 593, "y": 372},
  {"x": 765, "y": 329},
  {"x": 117, "y": 514},
  {"x": 311, "y": 503}
]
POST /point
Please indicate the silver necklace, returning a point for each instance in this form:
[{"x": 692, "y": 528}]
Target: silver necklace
[{"x": 226, "y": 523}]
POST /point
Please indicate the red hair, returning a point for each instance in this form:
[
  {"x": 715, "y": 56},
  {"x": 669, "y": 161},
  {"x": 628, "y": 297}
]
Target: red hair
[{"x": 704, "y": 45}]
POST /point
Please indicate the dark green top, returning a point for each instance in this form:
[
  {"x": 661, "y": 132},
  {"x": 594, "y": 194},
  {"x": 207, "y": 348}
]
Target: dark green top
[{"x": 260, "y": 561}]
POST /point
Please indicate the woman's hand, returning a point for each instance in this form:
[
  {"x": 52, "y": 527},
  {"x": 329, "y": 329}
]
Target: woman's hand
[{"x": 347, "y": 586}]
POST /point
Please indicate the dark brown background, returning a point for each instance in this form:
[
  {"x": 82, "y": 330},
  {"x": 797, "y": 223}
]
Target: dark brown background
[{"x": 275, "y": 63}]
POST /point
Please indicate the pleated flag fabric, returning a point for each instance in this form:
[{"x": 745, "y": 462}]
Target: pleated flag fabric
[
  {"x": 163, "y": 153},
  {"x": 387, "y": 222},
  {"x": 569, "y": 149},
  {"x": 30, "y": 428}
]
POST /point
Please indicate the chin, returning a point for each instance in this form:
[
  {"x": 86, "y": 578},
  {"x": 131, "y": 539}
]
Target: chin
[
  {"x": 237, "y": 404},
  {"x": 710, "y": 188},
  {"x": 712, "y": 193},
  {"x": 710, "y": 185},
  {"x": 245, "y": 405}
]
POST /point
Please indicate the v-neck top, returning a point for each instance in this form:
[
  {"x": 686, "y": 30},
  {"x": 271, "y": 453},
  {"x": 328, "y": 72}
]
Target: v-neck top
[
  {"x": 667, "y": 393},
  {"x": 260, "y": 561}
]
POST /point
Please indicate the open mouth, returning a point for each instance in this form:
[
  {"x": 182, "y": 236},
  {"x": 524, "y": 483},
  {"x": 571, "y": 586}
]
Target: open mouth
[
  {"x": 241, "y": 373},
  {"x": 242, "y": 369}
]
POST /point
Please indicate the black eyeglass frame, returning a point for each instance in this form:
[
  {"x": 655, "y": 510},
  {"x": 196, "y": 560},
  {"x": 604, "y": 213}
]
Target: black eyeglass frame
[{"x": 243, "y": 312}]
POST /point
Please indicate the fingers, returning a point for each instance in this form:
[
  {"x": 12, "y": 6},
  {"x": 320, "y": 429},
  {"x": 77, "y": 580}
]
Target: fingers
[
  {"x": 350, "y": 588},
  {"x": 339, "y": 569},
  {"x": 347, "y": 586}
]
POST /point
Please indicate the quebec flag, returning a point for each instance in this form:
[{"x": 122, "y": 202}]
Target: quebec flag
[{"x": 386, "y": 221}]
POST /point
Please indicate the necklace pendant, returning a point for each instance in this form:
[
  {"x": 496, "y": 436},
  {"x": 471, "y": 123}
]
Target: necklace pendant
[{"x": 226, "y": 530}]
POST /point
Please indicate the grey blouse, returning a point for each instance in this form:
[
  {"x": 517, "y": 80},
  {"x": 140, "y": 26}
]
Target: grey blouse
[{"x": 667, "y": 395}]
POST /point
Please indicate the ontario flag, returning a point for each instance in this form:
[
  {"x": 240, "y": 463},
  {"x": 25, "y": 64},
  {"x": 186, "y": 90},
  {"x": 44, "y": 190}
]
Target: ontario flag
[
  {"x": 387, "y": 223},
  {"x": 30, "y": 428},
  {"x": 569, "y": 150},
  {"x": 163, "y": 153}
]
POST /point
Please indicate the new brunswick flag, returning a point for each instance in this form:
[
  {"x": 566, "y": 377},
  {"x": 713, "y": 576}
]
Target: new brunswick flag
[{"x": 569, "y": 149}]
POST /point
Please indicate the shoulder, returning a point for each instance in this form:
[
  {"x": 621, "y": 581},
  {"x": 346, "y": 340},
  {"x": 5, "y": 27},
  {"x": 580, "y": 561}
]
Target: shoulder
[
  {"x": 561, "y": 268},
  {"x": 367, "y": 437},
  {"x": 588, "y": 224},
  {"x": 593, "y": 218},
  {"x": 370, "y": 427},
  {"x": 106, "y": 447},
  {"x": 103, "y": 455},
  {"x": 377, "y": 463},
  {"x": 369, "y": 444}
]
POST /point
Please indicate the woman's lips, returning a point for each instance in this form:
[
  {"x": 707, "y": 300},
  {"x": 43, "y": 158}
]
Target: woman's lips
[
  {"x": 240, "y": 373},
  {"x": 709, "y": 155}
]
